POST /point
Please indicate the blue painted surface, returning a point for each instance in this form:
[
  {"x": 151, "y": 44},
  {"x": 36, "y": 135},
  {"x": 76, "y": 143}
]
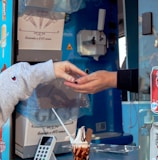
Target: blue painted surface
[
  {"x": 9, "y": 24},
  {"x": 133, "y": 117},
  {"x": 7, "y": 59},
  {"x": 131, "y": 32}
]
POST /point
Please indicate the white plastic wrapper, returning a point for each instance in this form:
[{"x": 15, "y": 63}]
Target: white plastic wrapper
[
  {"x": 67, "y": 103},
  {"x": 43, "y": 4},
  {"x": 67, "y": 6}
]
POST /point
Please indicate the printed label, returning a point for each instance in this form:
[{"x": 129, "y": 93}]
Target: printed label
[{"x": 154, "y": 89}]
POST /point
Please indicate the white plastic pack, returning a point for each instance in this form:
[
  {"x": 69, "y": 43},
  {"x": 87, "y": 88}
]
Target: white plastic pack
[
  {"x": 67, "y": 103},
  {"x": 67, "y": 6},
  {"x": 43, "y": 4}
]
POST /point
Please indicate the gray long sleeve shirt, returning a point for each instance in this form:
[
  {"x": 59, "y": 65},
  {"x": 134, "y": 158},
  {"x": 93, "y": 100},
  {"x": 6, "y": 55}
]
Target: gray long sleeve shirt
[{"x": 17, "y": 83}]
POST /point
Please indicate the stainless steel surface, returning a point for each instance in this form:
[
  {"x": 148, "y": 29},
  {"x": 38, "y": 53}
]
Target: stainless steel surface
[
  {"x": 108, "y": 151},
  {"x": 102, "y": 156},
  {"x": 104, "y": 151},
  {"x": 111, "y": 148}
]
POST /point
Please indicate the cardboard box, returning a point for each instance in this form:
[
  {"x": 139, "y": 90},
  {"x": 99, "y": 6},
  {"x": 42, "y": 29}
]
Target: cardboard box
[
  {"x": 27, "y": 136},
  {"x": 40, "y": 30}
]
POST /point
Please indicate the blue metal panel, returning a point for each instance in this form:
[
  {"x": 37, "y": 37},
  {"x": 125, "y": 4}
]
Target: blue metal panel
[
  {"x": 106, "y": 105},
  {"x": 131, "y": 32}
]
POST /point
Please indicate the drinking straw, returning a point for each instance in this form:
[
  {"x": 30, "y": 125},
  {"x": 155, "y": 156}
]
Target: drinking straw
[{"x": 68, "y": 133}]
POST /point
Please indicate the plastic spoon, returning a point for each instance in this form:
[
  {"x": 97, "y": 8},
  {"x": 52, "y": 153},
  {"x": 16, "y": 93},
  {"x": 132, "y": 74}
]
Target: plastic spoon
[{"x": 68, "y": 133}]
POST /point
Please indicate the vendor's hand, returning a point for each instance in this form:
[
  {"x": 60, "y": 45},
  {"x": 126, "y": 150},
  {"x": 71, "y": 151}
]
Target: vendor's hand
[
  {"x": 95, "y": 82},
  {"x": 67, "y": 71}
]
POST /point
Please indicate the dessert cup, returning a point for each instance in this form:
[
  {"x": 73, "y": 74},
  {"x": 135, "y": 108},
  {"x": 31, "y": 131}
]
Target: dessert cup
[{"x": 81, "y": 151}]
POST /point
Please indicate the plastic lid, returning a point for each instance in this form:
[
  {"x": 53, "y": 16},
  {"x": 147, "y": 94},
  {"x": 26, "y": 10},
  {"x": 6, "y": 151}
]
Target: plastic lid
[{"x": 148, "y": 118}]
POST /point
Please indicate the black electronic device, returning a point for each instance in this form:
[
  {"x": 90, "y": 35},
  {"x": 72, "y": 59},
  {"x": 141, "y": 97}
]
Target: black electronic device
[{"x": 147, "y": 23}]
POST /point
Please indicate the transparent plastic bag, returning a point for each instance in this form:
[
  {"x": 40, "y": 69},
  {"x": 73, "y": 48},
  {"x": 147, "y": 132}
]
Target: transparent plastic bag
[
  {"x": 68, "y": 104},
  {"x": 67, "y": 6},
  {"x": 42, "y": 4},
  {"x": 25, "y": 6}
]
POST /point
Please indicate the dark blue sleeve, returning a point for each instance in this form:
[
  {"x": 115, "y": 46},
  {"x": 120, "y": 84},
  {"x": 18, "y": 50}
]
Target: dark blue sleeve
[{"x": 128, "y": 80}]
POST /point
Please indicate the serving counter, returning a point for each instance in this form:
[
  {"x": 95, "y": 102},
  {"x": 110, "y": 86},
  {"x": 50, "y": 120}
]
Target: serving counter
[
  {"x": 104, "y": 156},
  {"x": 100, "y": 156}
]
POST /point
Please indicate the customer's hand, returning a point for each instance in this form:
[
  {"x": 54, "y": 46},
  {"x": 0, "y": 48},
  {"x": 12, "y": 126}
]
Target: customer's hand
[
  {"x": 67, "y": 71},
  {"x": 95, "y": 82}
]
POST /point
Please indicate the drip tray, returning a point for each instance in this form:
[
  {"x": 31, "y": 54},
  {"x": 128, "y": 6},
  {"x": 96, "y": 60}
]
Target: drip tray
[
  {"x": 108, "y": 148},
  {"x": 113, "y": 148}
]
